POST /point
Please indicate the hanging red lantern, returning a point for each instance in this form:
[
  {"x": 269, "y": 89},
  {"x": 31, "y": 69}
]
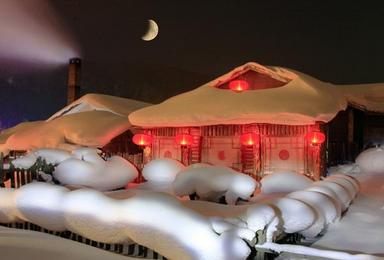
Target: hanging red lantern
[
  {"x": 184, "y": 139},
  {"x": 249, "y": 139},
  {"x": 142, "y": 139},
  {"x": 238, "y": 85},
  {"x": 315, "y": 137}
]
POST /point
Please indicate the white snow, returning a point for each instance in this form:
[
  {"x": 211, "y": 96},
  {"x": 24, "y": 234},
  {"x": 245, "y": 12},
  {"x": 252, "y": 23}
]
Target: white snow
[
  {"x": 282, "y": 105},
  {"x": 84, "y": 167},
  {"x": 146, "y": 219},
  {"x": 8, "y": 213},
  {"x": 284, "y": 182},
  {"x": 361, "y": 229},
  {"x": 342, "y": 194},
  {"x": 90, "y": 170},
  {"x": 212, "y": 182},
  {"x": 18, "y": 244},
  {"x": 162, "y": 170},
  {"x": 41, "y": 204},
  {"x": 371, "y": 161}
]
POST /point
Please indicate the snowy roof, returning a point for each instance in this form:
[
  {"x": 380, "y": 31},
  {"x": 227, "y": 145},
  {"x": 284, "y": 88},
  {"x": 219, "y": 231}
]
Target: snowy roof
[
  {"x": 299, "y": 100},
  {"x": 93, "y": 121},
  {"x": 90, "y": 102}
]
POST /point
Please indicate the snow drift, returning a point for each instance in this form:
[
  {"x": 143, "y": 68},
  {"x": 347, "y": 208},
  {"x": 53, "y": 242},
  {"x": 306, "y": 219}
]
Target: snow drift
[
  {"x": 281, "y": 182},
  {"x": 83, "y": 167},
  {"x": 162, "y": 170},
  {"x": 371, "y": 161},
  {"x": 146, "y": 219},
  {"x": 212, "y": 182}
]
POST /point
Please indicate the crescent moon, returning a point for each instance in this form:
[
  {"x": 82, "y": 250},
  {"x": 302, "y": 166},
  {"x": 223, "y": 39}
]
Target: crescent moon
[{"x": 153, "y": 30}]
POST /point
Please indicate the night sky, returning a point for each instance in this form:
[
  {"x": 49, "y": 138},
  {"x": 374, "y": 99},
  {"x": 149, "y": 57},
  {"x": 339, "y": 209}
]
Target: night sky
[{"x": 198, "y": 41}]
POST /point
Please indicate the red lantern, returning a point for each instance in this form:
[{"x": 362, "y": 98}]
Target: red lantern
[
  {"x": 238, "y": 85},
  {"x": 315, "y": 137},
  {"x": 249, "y": 139},
  {"x": 184, "y": 139},
  {"x": 142, "y": 139}
]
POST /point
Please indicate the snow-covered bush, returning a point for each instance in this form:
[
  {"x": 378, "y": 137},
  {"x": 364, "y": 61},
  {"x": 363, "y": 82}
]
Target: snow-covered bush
[
  {"x": 92, "y": 171},
  {"x": 322, "y": 203},
  {"x": 155, "y": 220},
  {"x": 212, "y": 182},
  {"x": 341, "y": 194},
  {"x": 284, "y": 182},
  {"x": 371, "y": 161},
  {"x": 41, "y": 204},
  {"x": 7, "y": 206},
  {"x": 162, "y": 170}
]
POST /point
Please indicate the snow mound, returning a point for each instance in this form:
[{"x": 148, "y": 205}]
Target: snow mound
[
  {"x": 331, "y": 194},
  {"x": 52, "y": 156},
  {"x": 284, "y": 182},
  {"x": 24, "y": 162},
  {"x": 371, "y": 161},
  {"x": 341, "y": 194},
  {"x": 346, "y": 183},
  {"x": 296, "y": 215},
  {"x": 162, "y": 170},
  {"x": 88, "y": 169},
  {"x": 155, "y": 220},
  {"x": 7, "y": 206},
  {"x": 212, "y": 182},
  {"x": 41, "y": 204},
  {"x": 258, "y": 217},
  {"x": 322, "y": 203}
]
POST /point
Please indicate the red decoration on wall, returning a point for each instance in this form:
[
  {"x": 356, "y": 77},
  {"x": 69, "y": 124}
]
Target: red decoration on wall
[
  {"x": 142, "y": 139},
  {"x": 249, "y": 138},
  {"x": 184, "y": 139},
  {"x": 221, "y": 155},
  {"x": 167, "y": 154},
  {"x": 238, "y": 85},
  {"x": 284, "y": 155},
  {"x": 315, "y": 137}
]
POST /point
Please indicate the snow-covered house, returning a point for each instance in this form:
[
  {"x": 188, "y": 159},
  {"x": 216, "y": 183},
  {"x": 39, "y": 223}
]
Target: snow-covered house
[
  {"x": 258, "y": 120},
  {"x": 94, "y": 120}
]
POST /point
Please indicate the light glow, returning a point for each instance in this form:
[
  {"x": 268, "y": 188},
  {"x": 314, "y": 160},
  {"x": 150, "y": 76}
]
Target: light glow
[
  {"x": 184, "y": 139},
  {"x": 142, "y": 139},
  {"x": 238, "y": 85},
  {"x": 315, "y": 137},
  {"x": 249, "y": 139}
]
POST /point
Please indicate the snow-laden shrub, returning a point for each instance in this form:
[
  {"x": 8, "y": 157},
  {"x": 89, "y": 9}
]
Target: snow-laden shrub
[
  {"x": 7, "y": 206},
  {"x": 296, "y": 215},
  {"x": 371, "y": 161},
  {"x": 92, "y": 171},
  {"x": 155, "y": 220},
  {"x": 322, "y": 203},
  {"x": 284, "y": 182},
  {"x": 331, "y": 194},
  {"x": 342, "y": 194},
  {"x": 52, "y": 156},
  {"x": 162, "y": 170},
  {"x": 212, "y": 182},
  {"x": 24, "y": 162},
  {"x": 347, "y": 184},
  {"x": 95, "y": 216},
  {"x": 41, "y": 204}
]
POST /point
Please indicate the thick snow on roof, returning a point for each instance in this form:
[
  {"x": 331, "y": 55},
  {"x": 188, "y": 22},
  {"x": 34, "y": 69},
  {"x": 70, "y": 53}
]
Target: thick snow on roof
[
  {"x": 301, "y": 100},
  {"x": 93, "y": 121},
  {"x": 91, "y": 128},
  {"x": 89, "y": 102}
]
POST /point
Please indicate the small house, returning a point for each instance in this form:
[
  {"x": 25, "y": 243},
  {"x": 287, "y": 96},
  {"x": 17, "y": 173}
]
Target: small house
[{"x": 261, "y": 120}]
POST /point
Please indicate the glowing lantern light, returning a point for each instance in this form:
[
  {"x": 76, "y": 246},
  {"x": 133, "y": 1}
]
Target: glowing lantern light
[
  {"x": 315, "y": 137},
  {"x": 238, "y": 85},
  {"x": 249, "y": 139},
  {"x": 184, "y": 139},
  {"x": 142, "y": 139}
]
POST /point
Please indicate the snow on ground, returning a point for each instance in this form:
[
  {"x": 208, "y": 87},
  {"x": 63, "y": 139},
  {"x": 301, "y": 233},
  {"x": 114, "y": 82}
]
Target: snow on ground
[
  {"x": 362, "y": 227},
  {"x": 212, "y": 182},
  {"x": 284, "y": 182},
  {"x": 18, "y": 244}
]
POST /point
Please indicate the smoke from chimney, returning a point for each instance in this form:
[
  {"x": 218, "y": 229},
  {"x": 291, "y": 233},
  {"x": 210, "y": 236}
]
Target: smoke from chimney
[{"x": 74, "y": 78}]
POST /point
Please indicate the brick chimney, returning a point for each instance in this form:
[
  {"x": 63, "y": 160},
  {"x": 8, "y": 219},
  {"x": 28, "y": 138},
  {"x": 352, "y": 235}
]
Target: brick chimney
[{"x": 74, "y": 72}]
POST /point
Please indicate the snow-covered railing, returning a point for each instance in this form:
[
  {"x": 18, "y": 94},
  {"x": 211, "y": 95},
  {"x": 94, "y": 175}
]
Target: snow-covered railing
[{"x": 134, "y": 250}]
